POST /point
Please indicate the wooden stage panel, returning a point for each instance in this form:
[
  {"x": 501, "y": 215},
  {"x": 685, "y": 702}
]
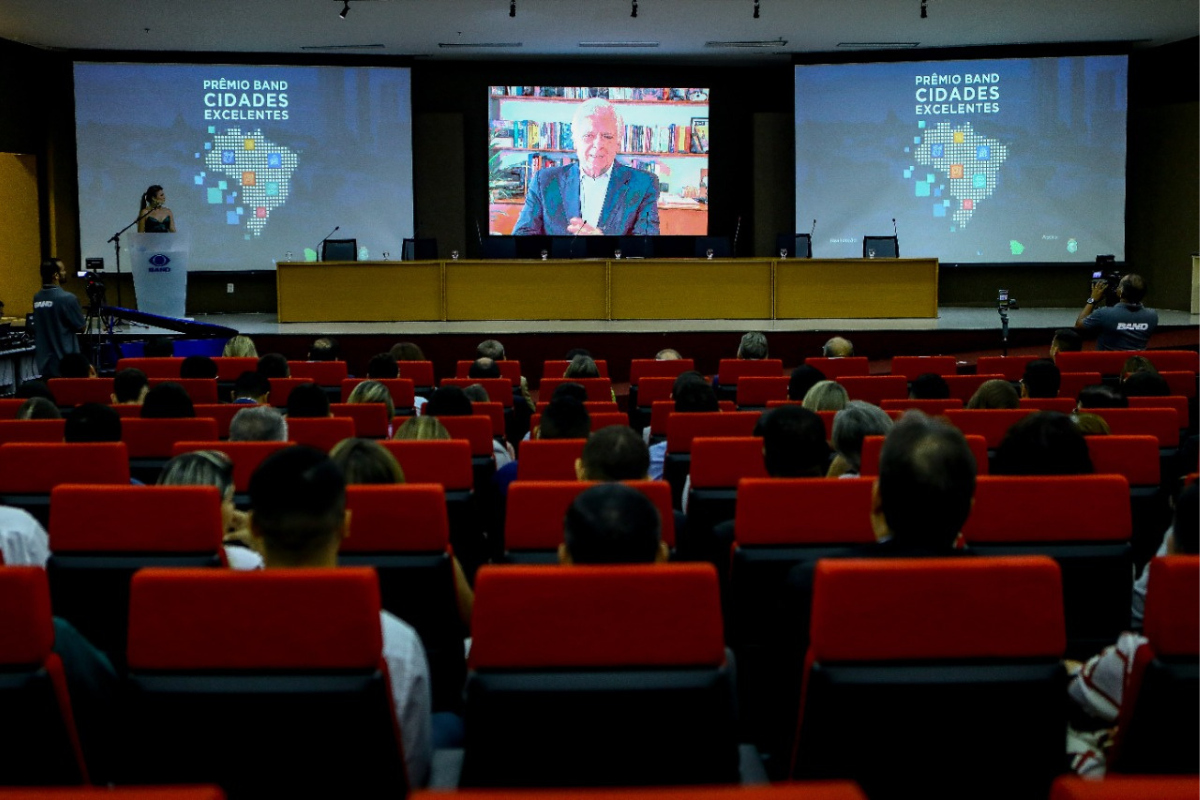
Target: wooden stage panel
[
  {"x": 691, "y": 289},
  {"x": 482, "y": 290},
  {"x": 359, "y": 291},
  {"x": 856, "y": 288}
]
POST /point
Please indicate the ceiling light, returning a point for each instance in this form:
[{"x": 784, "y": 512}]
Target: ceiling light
[
  {"x": 756, "y": 9},
  {"x": 618, "y": 44},
  {"x": 512, "y": 8},
  {"x": 345, "y": 9},
  {"x": 766, "y": 43},
  {"x": 878, "y": 45},
  {"x": 493, "y": 45},
  {"x": 634, "y": 12}
]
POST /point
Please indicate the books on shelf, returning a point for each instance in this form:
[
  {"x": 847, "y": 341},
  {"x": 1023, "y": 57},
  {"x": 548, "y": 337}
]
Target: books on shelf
[
  {"x": 524, "y": 134},
  {"x": 645, "y": 94}
]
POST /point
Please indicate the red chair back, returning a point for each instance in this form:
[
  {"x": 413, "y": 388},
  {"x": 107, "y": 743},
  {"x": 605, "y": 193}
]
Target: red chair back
[
  {"x": 873, "y": 445},
  {"x": 535, "y": 510},
  {"x": 36, "y": 467},
  {"x": 835, "y": 368},
  {"x": 419, "y": 372},
  {"x": 597, "y": 420},
  {"x": 1183, "y": 383},
  {"x": 402, "y": 390},
  {"x": 1124, "y": 787},
  {"x": 223, "y": 413},
  {"x": 9, "y": 406},
  {"x": 642, "y": 368},
  {"x": 1072, "y": 382},
  {"x": 835, "y": 511},
  {"x": 320, "y": 432},
  {"x": 720, "y": 462},
  {"x": 1135, "y": 457},
  {"x": 875, "y": 389},
  {"x": 1057, "y": 499},
  {"x": 1162, "y": 423},
  {"x": 912, "y": 366},
  {"x": 200, "y": 390},
  {"x": 1063, "y": 405},
  {"x": 169, "y": 519},
  {"x": 370, "y": 419},
  {"x": 593, "y": 406},
  {"x": 156, "y": 438},
  {"x": 164, "y": 367},
  {"x": 439, "y": 461},
  {"x": 281, "y": 388},
  {"x": 963, "y": 387},
  {"x": 990, "y": 423},
  {"x": 322, "y": 373},
  {"x": 1011, "y": 367},
  {"x": 76, "y": 391},
  {"x": 652, "y": 389},
  {"x": 598, "y": 389},
  {"x": 683, "y": 428},
  {"x": 933, "y": 408},
  {"x": 31, "y": 430},
  {"x": 499, "y": 390},
  {"x": 1105, "y": 362},
  {"x": 732, "y": 370},
  {"x": 509, "y": 370},
  {"x": 1177, "y": 402},
  {"x": 246, "y": 456},
  {"x": 756, "y": 390},
  {"x": 477, "y": 430},
  {"x": 494, "y": 412},
  {"x": 407, "y": 518},
  {"x": 549, "y": 459},
  {"x": 230, "y": 368}
]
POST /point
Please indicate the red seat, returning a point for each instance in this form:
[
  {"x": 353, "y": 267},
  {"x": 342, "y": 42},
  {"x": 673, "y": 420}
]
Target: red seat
[
  {"x": 246, "y": 456},
  {"x": 1162, "y": 423},
  {"x": 556, "y": 368},
  {"x": 683, "y": 428},
  {"x": 753, "y": 391},
  {"x": 370, "y": 419},
  {"x": 1063, "y": 405},
  {"x": 1177, "y": 402},
  {"x": 494, "y": 412},
  {"x": 41, "y": 745},
  {"x": 31, "y": 430},
  {"x": 223, "y": 413},
  {"x": 835, "y": 368},
  {"x": 1011, "y": 367},
  {"x": 872, "y": 445},
  {"x": 156, "y": 438},
  {"x": 403, "y": 393},
  {"x": 732, "y": 370},
  {"x": 1104, "y": 362},
  {"x": 444, "y": 462},
  {"x": 1157, "y": 728},
  {"x": 597, "y": 420},
  {"x": 642, "y": 368},
  {"x": 408, "y": 518},
  {"x": 1072, "y": 382},
  {"x": 419, "y": 372},
  {"x": 1135, "y": 457},
  {"x": 990, "y": 423},
  {"x": 835, "y": 511},
  {"x": 933, "y": 408},
  {"x": 499, "y": 390},
  {"x": 968, "y": 631},
  {"x": 963, "y": 387},
  {"x": 598, "y": 389},
  {"x": 875, "y": 389},
  {"x": 9, "y": 406},
  {"x": 230, "y": 368},
  {"x": 285, "y": 656},
  {"x": 477, "y": 430},
  {"x": 1182, "y": 383},
  {"x": 157, "y": 367},
  {"x": 593, "y": 406},
  {"x": 76, "y": 391},
  {"x": 29, "y": 470},
  {"x": 322, "y": 373},
  {"x": 509, "y": 370},
  {"x": 533, "y": 527},
  {"x": 320, "y": 432},
  {"x": 720, "y": 462},
  {"x": 549, "y": 459},
  {"x": 1124, "y": 787},
  {"x": 200, "y": 390},
  {"x": 653, "y": 389},
  {"x": 281, "y": 388},
  {"x": 913, "y": 366}
]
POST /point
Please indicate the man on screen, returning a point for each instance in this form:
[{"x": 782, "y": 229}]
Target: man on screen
[{"x": 594, "y": 196}]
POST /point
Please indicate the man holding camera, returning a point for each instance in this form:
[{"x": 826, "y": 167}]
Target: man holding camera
[
  {"x": 1128, "y": 324},
  {"x": 57, "y": 318}
]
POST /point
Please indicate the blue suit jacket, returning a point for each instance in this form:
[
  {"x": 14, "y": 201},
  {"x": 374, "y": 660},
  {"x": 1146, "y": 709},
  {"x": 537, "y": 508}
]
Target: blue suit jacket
[{"x": 630, "y": 207}]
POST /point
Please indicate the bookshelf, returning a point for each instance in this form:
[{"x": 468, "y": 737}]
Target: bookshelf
[{"x": 665, "y": 132}]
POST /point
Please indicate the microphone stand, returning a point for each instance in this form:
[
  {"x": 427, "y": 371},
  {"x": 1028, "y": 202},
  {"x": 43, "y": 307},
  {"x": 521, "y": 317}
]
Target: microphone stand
[{"x": 116, "y": 240}]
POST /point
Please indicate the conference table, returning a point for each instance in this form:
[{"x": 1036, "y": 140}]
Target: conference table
[{"x": 607, "y": 289}]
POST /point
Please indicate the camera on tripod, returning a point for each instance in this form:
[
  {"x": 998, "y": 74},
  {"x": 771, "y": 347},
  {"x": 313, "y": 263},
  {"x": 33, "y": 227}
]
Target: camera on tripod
[
  {"x": 1004, "y": 302},
  {"x": 94, "y": 287}
]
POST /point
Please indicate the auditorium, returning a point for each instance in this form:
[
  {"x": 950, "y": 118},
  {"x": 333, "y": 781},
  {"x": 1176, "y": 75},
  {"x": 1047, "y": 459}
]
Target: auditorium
[{"x": 738, "y": 400}]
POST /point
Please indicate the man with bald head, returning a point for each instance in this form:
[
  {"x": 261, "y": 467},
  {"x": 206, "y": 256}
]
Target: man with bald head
[
  {"x": 838, "y": 347},
  {"x": 593, "y": 196}
]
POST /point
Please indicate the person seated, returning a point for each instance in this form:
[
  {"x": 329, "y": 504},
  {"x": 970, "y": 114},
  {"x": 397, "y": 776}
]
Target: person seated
[
  {"x": 994, "y": 394},
  {"x": 803, "y": 378},
  {"x": 1137, "y": 364},
  {"x": 274, "y": 365},
  {"x": 75, "y": 365},
  {"x": 308, "y": 400},
  {"x": 1041, "y": 379},
  {"x": 451, "y": 401},
  {"x": 612, "y": 524},
  {"x": 407, "y": 351},
  {"x": 250, "y": 387},
  {"x": 421, "y": 429},
  {"x": 582, "y": 366},
  {"x": 92, "y": 422},
  {"x": 239, "y": 347},
  {"x": 1186, "y": 519},
  {"x": 826, "y": 396},
  {"x": 1144, "y": 383},
  {"x": 667, "y": 354},
  {"x": 374, "y": 392},
  {"x": 476, "y": 394},
  {"x": 258, "y": 424},
  {"x": 491, "y": 348},
  {"x": 383, "y": 366},
  {"x": 1066, "y": 340},
  {"x": 615, "y": 453},
  {"x": 129, "y": 387},
  {"x": 1090, "y": 424},
  {"x": 566, "y": 417},
  {"x": 691, "y": 393},
  {"x": 484, "y": 368},
  {"x": 838, "y": 347},
  {"x": 325, "y": 348},
  {"x": 213, "y": 468},
  {"x": 851, "y": 425},
  {"x": 753, "y": 346},
  {"x": 198, "y": 367},
  {"x": 1099, "y": 396},
  {"x": 167, "y": 400},
  {"x": 794, "y": 443},
  {"x": 298, "y": 519},
  {"x": 38, "y": 408},
  {"x": 929, "y": 386},
  {"x": 366, "y": 461},
  {"x": 1043, "y": 443}
]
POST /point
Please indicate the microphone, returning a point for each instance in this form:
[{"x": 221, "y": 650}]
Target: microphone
[
  {"x": 478, "y": 234},
  {"x": 571, "y": 244},
  {"x": 895, "y": 230},
  {"x": 737, "y": 231},
  {"x": 814, "y": 230},
  {"x": 321, "y": 243}
]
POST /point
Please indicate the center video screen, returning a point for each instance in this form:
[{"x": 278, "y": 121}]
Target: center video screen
[
  {"x": 257, "y": 164},
  {"x": 597, "y": 161},
  {"x": 992, "y": 161}
]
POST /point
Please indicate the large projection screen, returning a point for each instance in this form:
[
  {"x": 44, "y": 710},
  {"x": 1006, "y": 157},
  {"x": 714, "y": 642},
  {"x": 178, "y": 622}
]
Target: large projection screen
[
  {"x": 992, "y": 161},
  {"x": 256, "y": 161}
]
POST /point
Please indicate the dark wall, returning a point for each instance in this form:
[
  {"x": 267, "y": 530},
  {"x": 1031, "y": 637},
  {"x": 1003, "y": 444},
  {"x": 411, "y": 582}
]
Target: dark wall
[{"x": 751, "y": 164}]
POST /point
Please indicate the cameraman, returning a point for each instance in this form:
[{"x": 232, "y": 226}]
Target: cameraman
[
  {"x": 1126, "y": 325},
  {"x": 57, "y": 318}
]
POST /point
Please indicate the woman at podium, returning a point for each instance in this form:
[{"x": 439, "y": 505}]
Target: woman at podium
[{"x": 155, "y": 217}]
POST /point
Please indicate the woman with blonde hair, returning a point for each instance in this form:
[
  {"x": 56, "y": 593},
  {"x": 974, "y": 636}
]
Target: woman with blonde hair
[
  {"x": 374, "y": 392},
  {"x": 994, "y": 394},
  {"x": 240, "y": 347},
  {"x": 213, "y": 468},
  {"x": 415, "y": 428},
  {"x": 826, "y": 396},
  {"x": 366, "y": 461}
]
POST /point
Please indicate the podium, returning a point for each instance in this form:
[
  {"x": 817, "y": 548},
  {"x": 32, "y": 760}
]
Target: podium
[{"x": 159, "y": 263}]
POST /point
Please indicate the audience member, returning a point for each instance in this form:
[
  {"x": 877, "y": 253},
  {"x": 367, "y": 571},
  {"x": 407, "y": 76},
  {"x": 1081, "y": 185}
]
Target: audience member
[
  {"x": 838, "y": 347},
  {"x": 614, "y": 453},
  {"x": 1090, "y": 424},
  {"x": 1137, "y": 364},
  {"x": 1145, "y": 384},
  {"x": 38, "y": 408},
  {"x": 92, "y": 422},
  {"x": 383, "y": 366},
  {"x": 129, "y": 387},
  {"x": 612, "y": 524},
  {"x": 35, "y": 388},
  {"x": 569, "y": 389},
  {"x": 75, "y": 365},
  {"x": 1099, "y": 396},
  {"x": 490, "y": 348},
  {"x": 575, "y": 352},
  {"x": 198, "y": 367},
  {"x": 994, "y": 394},
  {"x": 582, "y": 366},
  {"x": 421, "y": 428},
  {"x": 298, "y": 514},
  {"x": 374, "y": 392},
  {"x": 929, "y": 386},
  {"x": 325, "y": 348},
  {"x": 483, "y": 367},
  {"x": 167, "y": 400},
  {"x": 667, "y": 354},
  {"x": 1066, "y": 340},
  {"x": 794, "y": 443},
  {"x": 691, "y": 393},
  {"x": 274, "y": 365},
  {"x": 23, "y": 540},
  {"x": 308, "y": 400},
  {"x": 1043, "y": 443},
  {"x": 566, "y": 417},
  {"x": 251, "y": 387},
  {"x": 851, "y": 425},
  {"x": 240, "y": 347},
  {"x": 407, "y": 351},
  {"x": 1182, "y": 536},
  {"x": 753, "y": 346},
  {"x": 1041, "y": 379},
  {"x": 366, "y": 461},
  {"x": 258, "y": 424},
  {"x": 826, "y": 396},
  {"x": 213, "y": 468},
  {"x": 448, "y": 401},
  {"x": 803, "y": 378}
]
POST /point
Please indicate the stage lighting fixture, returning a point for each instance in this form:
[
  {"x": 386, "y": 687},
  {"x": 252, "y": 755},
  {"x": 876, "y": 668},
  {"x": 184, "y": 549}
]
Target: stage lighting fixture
[{"x": 345, "y": 9}]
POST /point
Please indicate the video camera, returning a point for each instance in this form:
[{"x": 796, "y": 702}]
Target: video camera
[
  {"x": 1111, "y": 280},
  {"x": 94, "y": 287}
]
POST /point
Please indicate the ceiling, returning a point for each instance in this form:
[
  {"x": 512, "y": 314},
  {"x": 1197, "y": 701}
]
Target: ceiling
[{"x": 544, "y": 28}]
